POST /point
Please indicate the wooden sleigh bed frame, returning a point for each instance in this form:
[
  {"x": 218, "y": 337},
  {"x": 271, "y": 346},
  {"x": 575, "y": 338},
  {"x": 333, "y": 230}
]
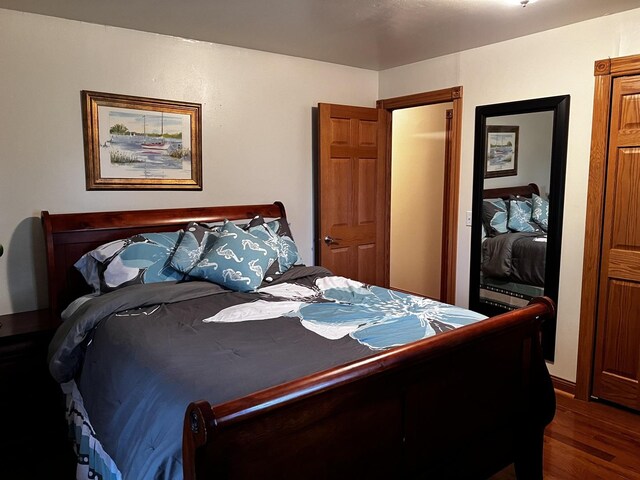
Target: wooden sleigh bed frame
[
  {"x": 462, "y": 404},
  {"x": 507, "y": 192}
]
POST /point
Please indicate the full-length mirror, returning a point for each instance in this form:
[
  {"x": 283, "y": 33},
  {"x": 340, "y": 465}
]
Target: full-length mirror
[{"x": 518, "y": 195}]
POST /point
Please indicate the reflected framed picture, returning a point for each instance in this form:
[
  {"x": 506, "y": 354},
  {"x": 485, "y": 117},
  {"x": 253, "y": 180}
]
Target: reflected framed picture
[
  {"x": 139, "y": 143},
  {"x": 501, "y": 154}
]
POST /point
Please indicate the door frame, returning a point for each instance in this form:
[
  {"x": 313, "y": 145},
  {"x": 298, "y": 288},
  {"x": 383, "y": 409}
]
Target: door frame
[
  {"x": 451, "y": 187},
  {"x": 606, "y": 71}
]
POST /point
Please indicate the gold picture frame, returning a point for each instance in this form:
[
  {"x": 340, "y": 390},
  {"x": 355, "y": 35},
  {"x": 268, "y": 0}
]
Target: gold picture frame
[
  {"x": 139, "y": 143},
  {"x": 501, "y": 153}
]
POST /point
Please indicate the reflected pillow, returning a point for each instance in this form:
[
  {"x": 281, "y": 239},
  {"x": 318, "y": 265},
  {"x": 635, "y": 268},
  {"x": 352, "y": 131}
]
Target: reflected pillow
[
  {"x": 237, "y": 260},
  {"x": 494, "y": 216},
  {"x": 520, "y": 216},
  {"x": 540, "y": 211},
  {"x": 138, "y": 259}
]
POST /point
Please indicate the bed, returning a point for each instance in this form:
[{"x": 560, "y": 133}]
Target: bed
[
  {"x": 514, "y": 246},
  {"x": 462, "y": 403}
]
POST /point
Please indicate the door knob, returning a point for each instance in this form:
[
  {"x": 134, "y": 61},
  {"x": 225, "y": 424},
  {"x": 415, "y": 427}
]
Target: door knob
[{"x": 330, "y": 240}]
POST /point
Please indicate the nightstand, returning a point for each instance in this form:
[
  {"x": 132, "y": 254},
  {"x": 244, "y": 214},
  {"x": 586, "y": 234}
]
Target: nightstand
[{"x": 33, "y": 437}]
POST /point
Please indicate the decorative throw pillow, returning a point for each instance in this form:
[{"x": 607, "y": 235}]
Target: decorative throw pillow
[
  {"x": 281, "y": 227},
  {"x": 138, "y": 259},
  {"x": 494, "y": 216},
  {"x": 278, "y": 225},
  {"x": 281, "y": 243},
  {"x": 237, "y": 260},
  {"x": 540, "y": 211},
  {"x": 195, "y": 241},
  {"x": 520, "y": 216}
]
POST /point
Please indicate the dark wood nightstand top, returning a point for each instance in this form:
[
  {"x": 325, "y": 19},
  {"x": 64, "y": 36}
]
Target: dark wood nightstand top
[{"x": 34, "y": 321}]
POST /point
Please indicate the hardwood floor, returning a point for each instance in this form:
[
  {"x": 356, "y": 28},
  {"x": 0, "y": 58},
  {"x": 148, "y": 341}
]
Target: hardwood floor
[{"x": 589, "y": 440}]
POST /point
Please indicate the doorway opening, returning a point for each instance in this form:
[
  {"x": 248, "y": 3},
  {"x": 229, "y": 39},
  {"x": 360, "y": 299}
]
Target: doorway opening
[
  {"x": 452, "y": 98},
  {"x": 418, "y": 172},
  {"x": 353, "y": 189}
]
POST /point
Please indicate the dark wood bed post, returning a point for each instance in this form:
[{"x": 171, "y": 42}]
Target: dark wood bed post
[
  {"x": 528, "y": 461},
  {"x": 507, "y": 192},
  {"x": 51, "y": 264}
]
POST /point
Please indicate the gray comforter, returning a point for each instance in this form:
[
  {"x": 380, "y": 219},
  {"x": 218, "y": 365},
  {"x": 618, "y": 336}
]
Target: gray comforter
[
  {"x": 516, "y": 257},
  {"x": 141, "y": 354}
]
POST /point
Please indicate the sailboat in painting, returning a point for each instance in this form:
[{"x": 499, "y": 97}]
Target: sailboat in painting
[{"x": 161, "y": 143}]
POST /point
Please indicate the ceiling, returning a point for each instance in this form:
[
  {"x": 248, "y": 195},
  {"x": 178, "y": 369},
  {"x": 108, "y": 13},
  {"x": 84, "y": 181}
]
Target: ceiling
[{"x": 372, "y": 34}]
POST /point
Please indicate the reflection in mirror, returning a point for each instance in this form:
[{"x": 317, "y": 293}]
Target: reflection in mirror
[{"x": 519, "y": 171}]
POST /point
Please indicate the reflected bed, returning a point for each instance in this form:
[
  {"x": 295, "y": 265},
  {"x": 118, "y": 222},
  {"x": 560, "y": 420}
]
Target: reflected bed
[{"x": 514, "y": 246}]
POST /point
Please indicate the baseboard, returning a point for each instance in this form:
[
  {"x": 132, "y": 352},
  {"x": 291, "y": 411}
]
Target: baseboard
[{"x": 563, "y": 385}]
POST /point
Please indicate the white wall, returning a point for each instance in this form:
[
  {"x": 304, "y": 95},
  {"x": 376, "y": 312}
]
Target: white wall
[
  {"x": 551, "y": 63},
  {"x": 256, "y": 127},
  {"x": 257, "y": 135}
]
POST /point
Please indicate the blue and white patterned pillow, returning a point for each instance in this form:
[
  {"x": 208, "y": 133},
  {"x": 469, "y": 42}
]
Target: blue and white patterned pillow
[
  {"x": 237, "y": 260},
  {"x": 196, "y": 240},
  {"x": 283, "y": 245},
  {"x": 540, "y": 211},
  {"x": 494, "y": 216},
  {"x": 520, "y": 216},
  {"x": 281, "y": 227},
  {"x": 138, "y": 259}
]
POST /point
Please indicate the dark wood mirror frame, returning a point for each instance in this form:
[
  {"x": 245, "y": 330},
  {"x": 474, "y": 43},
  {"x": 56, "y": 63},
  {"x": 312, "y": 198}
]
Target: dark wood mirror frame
[{"x": 559, "y": 105}]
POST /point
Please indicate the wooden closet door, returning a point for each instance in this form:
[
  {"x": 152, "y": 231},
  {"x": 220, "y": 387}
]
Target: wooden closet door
[{"x": 617, "y": 359}]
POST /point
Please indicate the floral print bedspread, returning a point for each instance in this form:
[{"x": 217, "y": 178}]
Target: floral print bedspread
[{"x": 335, "y": 307}]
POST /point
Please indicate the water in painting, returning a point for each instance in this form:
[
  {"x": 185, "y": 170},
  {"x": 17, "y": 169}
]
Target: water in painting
[
  {"x": 500, "y": 150},
  {"x": 145, "y": 144}
]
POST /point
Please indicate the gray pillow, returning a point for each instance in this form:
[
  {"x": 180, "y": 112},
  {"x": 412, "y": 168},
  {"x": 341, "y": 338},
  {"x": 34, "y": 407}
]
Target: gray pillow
[
  {"x": 142, "y": 258},
  {"x": 494, "y": 216}
]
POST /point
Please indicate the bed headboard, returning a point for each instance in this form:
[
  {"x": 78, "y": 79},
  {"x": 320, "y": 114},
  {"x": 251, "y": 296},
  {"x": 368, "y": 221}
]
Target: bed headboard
[
  {"x": 70, "y": 235},
  {"x": 506, "y": 192}
]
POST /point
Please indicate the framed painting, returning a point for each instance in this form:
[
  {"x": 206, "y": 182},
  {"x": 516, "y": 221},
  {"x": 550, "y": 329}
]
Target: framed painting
[
  {"x": 138, "y": 143},
  {"x": 501, "y": 154}
]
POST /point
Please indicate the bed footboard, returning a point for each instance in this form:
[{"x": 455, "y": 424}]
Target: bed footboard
[{"x": 463, "y": 404}]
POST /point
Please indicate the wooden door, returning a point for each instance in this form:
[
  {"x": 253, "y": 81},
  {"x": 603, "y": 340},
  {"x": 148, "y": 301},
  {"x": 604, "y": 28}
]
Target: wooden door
[
  {"x": 352, "y": 192},
  {"x": 617, "y": 358}
]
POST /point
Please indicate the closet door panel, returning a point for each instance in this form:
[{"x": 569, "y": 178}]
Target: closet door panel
[
  {"x": 618, "y": 375},
  {"x": 617, "y": 359}
]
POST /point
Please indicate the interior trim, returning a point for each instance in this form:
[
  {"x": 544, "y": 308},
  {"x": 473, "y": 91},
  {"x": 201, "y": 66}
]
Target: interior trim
[
  {"x": 450, "y": 227},
  {"x": 563, "y": 385},
  {"x": 605, "y": 72}
]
